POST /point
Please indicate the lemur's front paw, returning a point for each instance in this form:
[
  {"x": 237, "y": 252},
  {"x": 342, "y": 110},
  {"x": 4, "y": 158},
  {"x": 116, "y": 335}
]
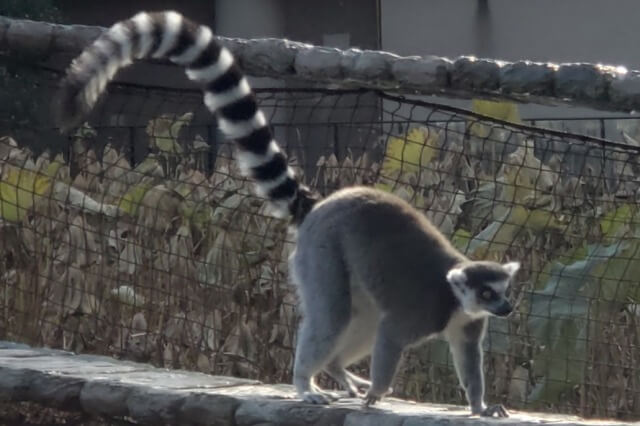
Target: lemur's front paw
[{"x": 497, "y": 410}]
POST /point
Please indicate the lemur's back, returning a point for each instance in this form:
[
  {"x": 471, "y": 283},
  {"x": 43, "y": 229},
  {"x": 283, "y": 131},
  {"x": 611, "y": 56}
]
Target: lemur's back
[
  {"x": 374, "y": 275},
  {"x": 383, "y": 244}
]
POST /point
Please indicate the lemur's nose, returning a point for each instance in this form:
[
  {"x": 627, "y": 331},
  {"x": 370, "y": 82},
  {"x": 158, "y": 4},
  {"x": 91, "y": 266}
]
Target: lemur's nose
[{"x": 504, "y": 309}]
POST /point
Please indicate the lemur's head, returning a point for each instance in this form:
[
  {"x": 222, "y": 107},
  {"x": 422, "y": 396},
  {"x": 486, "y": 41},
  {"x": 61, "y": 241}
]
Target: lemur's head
[{"x": 481, "y": 287}]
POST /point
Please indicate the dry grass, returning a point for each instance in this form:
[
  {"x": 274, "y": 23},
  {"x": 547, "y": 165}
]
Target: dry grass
[{"x": 166, "y": 265}]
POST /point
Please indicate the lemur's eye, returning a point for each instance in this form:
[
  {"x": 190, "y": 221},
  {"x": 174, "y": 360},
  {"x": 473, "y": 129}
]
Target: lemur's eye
[{"x": 487, "y": 294}]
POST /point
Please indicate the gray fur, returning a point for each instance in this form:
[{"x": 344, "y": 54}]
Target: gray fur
[{"x": 372, "y": 276}]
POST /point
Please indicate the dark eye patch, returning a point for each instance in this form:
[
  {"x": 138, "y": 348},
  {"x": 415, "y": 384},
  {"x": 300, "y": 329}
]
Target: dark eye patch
[{"x": 488, "y": 294}]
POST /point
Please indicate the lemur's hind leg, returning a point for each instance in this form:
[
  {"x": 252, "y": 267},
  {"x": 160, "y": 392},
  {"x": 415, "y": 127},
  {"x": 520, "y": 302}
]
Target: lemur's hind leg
[
  {"x": 355, "y": 344},
  {"x": 326, "y": 312}
]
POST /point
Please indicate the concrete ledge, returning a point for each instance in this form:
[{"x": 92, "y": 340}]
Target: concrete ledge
[
  {"x": 606, "y": 87},
  {"x": 147, "y": 395}
]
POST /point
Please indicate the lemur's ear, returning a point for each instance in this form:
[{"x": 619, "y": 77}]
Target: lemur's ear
[
  {"x": 457, "y": 277},
  {"x": 511, "y": 268}
]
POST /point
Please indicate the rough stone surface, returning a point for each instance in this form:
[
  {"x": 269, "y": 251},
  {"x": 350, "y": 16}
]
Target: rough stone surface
[
  {"x": 369, "y": 65},
  {"x": 107, "y": 398},
  {"x": 426, "y": 72},
  {"x": 152, "y": 396},
  {"x": 321, "y": 63},
  {"x": 69, "y": 39},
  {"x": 603, "y": 87},
  {"x": 205, "y": 409},
  {"x": 34, "y": 43},
  {"x": 625, "y": 90},
  {"x": 475, "y": 74},
  {"x": 153, "y": 406},
  {"x": 581, "y": 81},
  {"x": 527, "y": 78},
  {"x": 273, "y": 56}
]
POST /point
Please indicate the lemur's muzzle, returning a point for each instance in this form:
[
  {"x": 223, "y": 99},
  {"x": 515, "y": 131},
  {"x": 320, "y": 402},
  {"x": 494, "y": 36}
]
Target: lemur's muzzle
[{"x": 503, "y": 309}]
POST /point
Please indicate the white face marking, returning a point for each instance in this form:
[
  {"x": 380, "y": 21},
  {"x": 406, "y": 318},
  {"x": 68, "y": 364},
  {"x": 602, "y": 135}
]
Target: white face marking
[
  {"x": 471, "y": 307},
  {"x": 511, "y": 268},
  {"x": 213, "y": 71},
  {"x": 457, "y": 278},
  {"x": 470, "y": 299},
  {"x": 499, "y": 286},
  {"x": 202, "y": 41},
  {"x": 172, "y": 27}
]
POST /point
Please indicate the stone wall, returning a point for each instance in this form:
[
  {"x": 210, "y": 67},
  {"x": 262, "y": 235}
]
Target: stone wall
[
  {"x": 151, "y": 396},
  {"x": 599, "y": 86}
]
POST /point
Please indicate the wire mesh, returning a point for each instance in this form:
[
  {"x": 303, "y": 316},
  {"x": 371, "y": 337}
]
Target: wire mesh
[{"x": 143, "y": 242}]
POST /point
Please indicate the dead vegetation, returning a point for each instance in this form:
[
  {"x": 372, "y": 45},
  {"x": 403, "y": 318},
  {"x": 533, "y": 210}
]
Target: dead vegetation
[{"x": 164, "y": 264}]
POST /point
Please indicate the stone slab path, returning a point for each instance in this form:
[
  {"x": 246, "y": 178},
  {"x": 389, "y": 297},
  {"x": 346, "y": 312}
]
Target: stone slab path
[{"x": 153, "y": 396}]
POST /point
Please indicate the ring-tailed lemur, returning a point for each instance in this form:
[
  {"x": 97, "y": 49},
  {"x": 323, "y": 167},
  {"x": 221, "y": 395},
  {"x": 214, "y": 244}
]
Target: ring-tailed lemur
[{"x": 374, "y": 276}]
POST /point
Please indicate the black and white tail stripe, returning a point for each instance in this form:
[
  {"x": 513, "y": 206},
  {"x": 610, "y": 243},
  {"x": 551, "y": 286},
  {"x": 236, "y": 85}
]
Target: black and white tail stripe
[{"x": 226, "y": 94}]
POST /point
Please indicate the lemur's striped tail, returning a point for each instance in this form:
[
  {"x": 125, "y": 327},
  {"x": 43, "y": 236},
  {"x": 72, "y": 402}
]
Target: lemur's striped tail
[{"x": 226, "y": 94}]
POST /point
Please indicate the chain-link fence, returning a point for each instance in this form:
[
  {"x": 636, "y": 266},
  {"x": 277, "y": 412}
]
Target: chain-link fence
[{"x": 142, "y": 241}]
